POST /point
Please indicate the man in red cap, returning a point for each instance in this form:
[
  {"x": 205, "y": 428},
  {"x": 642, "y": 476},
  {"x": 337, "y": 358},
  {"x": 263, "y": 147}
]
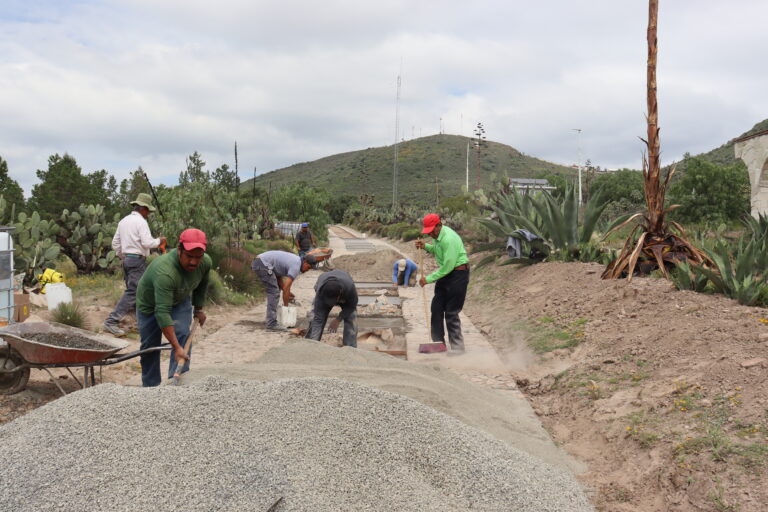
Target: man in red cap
[
  {"x": 451, "y": 280},
  {"x": 167, "y": 292}
]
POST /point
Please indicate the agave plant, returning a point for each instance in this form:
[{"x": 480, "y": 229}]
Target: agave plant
[
  {"x": 741, "y": 275},
  {"x": 686, "y": 278},
  {"x": 652, "y": 242},
  {"x": 566, "y": 235},
  {"x": 757, "y": 227}
]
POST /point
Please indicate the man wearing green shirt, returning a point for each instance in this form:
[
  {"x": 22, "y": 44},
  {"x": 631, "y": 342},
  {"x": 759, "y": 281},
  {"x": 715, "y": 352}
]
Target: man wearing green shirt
[
  {"x": 451, "y": 280},
  {"x": 171, "y": 285}
]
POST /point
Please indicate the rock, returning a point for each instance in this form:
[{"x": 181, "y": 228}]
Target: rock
[
  {"x": 763, "y": 337},
  {"x": 758, "y": 361}
]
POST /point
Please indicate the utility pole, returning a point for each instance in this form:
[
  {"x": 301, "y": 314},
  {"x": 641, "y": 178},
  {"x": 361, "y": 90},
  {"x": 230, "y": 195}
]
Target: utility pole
[
  {"x": 397, "y": 137},
  {"x": 578, "y": 162}
]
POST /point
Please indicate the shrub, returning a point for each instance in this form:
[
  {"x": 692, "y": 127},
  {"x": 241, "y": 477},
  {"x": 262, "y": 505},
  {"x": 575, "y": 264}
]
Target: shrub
[
  {"x": 235, "y": 270},
  {"x": 70, "y": 313},
  {"x": 216, "y": 289},
  {"x": 411, "y": 234}
]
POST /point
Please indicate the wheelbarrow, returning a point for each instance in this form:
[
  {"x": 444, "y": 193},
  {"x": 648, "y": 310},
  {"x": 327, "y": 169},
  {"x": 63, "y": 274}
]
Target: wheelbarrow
[{"x": 19, "y": 353}]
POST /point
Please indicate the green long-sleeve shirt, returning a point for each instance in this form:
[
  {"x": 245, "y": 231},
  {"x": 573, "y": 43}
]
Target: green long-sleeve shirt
[
  {"x": 449, "y": 252},
  {"x": 166, "y": 284}
]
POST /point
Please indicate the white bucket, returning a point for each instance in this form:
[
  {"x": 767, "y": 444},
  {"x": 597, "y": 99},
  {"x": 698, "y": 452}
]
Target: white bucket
[
  {"x": 286, "y": 316},
  {"x": 58, "y": 293}
]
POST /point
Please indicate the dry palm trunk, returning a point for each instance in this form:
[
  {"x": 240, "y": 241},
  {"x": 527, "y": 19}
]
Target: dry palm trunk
[{"x": 656, "y": 246}]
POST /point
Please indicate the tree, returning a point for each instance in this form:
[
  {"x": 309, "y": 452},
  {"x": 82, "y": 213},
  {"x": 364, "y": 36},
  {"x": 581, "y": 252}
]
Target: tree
[
  {"x": 708, "y": 192},
  {"x": 9, "y": 188},
  {"x": 225, "y": 178},
  {"x": 301, "y": 203},
  {"x": 135, "y": 184},
  {"x": 195, "y": 172},
  {"x": 624, "y": 184},
  {"x": 61, "y": 187},
  {"x": 103, "y": 190}
]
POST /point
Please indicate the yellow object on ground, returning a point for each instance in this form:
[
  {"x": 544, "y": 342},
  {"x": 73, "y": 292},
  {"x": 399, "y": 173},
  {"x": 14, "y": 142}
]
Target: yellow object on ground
[{"x": 49, "y": 276}]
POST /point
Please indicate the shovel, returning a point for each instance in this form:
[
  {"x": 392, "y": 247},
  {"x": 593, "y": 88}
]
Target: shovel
[
  {"x": 187, "y": 347},
  {"x": 432, "y": 347}
]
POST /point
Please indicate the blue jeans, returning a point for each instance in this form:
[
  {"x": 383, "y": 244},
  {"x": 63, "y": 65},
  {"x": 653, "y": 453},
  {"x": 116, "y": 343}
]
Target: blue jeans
[
  {"x": 133, "y": 269},
  {"x": 152, "y": 335}
]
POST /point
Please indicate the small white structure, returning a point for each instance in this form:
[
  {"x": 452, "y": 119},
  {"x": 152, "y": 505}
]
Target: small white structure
[
  {"x": 526, "y": 184},
  {"x": 753, "y": 150}
]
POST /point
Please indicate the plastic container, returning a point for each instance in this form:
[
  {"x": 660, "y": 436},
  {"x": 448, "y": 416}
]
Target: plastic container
[
  {"x": 58, "y": 293},
  {"x": 286, "y": 316},
  {"x": 6, "y": 276}
]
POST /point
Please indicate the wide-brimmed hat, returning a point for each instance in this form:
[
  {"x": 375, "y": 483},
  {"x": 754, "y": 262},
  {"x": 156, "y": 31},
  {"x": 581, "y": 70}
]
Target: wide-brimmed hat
[
  {"x": 144, "y": 199},
  {"x": 401, "y": 264}
]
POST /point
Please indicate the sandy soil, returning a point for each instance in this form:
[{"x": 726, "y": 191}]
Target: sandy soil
[{"x": 663, "y": 393}]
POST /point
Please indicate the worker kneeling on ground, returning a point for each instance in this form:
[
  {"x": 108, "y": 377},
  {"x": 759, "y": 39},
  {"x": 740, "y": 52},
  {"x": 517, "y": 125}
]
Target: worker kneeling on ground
[
  {"x": 451, "y": 280},
  {"x": 172, "y": 284},
  {"x": 404, "y": 273},
  {"x": 334, "y": 288},
  {"x": 277, "y": 270}
]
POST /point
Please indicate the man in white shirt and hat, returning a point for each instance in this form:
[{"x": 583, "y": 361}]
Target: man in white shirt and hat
[{"x": 131, "y": 243}]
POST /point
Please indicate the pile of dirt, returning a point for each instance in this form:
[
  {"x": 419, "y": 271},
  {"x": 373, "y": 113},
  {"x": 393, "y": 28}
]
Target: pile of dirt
[
  {"x": 372, "y": 267},
  {"x": 663, "y": 393}
]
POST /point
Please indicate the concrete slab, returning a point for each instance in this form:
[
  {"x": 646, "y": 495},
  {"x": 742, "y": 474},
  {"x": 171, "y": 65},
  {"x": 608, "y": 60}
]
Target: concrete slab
[{"x": 364, "y": 300}]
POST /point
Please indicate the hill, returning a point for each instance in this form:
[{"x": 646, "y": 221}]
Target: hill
[
  {"x": 724, "y": 155},
  {"x": 420, "y": 162}
]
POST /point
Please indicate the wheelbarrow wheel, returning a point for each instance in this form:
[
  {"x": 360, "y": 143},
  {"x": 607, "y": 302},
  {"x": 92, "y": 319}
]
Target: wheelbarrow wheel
[{"x": 11, "y": 383}]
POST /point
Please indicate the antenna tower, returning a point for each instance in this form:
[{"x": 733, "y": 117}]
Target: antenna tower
[{"x": 397, "y": 132}]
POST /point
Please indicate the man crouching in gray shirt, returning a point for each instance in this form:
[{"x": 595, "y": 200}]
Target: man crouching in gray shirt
[{"x": 334, "y": 288}]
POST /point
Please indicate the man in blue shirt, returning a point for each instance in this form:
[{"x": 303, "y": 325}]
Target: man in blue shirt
[{"x": 404, "y": 273}]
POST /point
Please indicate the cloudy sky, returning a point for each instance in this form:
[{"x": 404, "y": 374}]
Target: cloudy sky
[{"x": 123, "y": 83}]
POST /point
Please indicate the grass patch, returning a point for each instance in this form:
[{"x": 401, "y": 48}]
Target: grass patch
[
  {"x": 109, "y": 286},
  {"x": 70, "y": 313},
  {"x": 546, "y": 335},
  {"x": 638, "y": 430}
]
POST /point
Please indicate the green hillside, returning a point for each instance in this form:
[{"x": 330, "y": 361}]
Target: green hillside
[
  {"x": 724, "y": 155},
  {"x": 420, "y": 161}
]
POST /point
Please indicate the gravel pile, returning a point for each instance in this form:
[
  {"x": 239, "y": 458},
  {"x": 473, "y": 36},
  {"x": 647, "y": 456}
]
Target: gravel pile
[
  {"x": 58, "y": 339},
  {"x": 322, "y": 444}
]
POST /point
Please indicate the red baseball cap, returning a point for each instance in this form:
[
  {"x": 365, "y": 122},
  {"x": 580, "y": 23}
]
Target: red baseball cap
[
  {"x": 430, "y": 221},
  {"x": 193, "y": 239}
]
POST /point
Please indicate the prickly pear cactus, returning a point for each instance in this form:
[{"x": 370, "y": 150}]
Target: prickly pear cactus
[
  {"x": 34, "y": 247},
  {"x": 85, "y": 235}
]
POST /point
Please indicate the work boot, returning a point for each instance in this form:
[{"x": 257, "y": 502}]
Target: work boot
[
  {"x": 114, "y": 329},
  {"x": 277, "y": 328}
]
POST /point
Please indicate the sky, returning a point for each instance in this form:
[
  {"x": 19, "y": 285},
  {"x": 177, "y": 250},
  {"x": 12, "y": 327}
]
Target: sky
[{"x": 125, "y": 83}]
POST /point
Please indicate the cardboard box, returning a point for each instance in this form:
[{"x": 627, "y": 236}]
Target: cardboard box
[{"x": 21, "y": 307}]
